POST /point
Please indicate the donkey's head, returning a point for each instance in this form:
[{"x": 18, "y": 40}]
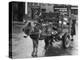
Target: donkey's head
[{"x": 27, "y": 28}]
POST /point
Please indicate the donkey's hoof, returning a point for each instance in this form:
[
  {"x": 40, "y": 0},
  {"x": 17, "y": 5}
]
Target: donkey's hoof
[{"x": 34, "y": 55}]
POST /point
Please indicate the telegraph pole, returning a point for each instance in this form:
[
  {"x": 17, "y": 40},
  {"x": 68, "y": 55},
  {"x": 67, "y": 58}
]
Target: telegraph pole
[{"x": 69, "y": 18}]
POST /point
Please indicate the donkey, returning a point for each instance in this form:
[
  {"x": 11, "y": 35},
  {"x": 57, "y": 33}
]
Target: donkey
[{"x": 36, "y": 33}]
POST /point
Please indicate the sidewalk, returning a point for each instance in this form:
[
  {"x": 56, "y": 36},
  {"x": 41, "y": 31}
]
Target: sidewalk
[{"x": 17, "y": 22}]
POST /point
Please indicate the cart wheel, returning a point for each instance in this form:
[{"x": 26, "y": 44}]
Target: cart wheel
[{"x": 66, "y": 40}]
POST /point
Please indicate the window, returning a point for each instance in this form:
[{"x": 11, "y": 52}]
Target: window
[{"x": 74, "y": 11}]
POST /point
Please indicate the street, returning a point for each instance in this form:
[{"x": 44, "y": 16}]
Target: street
[{"x": 23, "y": 47}]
